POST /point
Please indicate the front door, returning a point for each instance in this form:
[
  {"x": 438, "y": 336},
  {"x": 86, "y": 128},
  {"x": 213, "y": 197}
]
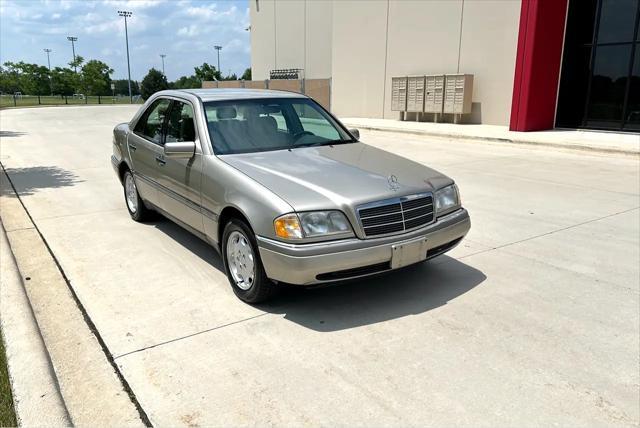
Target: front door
[
  {"x": 180, "y": 178},
  {"x": 145, "y": 149}
]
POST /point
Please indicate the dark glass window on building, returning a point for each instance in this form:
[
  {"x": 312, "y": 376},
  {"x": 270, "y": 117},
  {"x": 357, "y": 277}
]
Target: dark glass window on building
[{"x": 600, "y": 79}]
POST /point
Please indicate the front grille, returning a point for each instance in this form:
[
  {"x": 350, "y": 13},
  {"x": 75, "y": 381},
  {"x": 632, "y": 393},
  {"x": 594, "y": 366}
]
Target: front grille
[{"x": 396, "y": 215}]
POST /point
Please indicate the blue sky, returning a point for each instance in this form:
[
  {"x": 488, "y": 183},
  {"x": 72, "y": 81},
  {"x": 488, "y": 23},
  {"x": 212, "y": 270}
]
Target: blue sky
[{"x": 184, "y": 30}]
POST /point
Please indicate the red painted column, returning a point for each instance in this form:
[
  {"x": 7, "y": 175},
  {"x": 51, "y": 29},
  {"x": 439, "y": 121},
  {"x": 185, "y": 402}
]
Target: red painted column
[{"x": 538, "y": 59}]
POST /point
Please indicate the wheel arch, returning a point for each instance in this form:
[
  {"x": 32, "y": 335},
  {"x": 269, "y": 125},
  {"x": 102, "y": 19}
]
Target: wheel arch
[
  {"x": 122, "y": 168},
  {"x": 228, "y": 213}
]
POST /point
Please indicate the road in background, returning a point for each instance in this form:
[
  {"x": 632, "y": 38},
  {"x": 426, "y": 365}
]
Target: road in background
[{"x": 533, "y": 320}]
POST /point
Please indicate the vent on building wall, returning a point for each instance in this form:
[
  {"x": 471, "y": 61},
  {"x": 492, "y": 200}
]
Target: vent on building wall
[{"x": 286, "y": 73}]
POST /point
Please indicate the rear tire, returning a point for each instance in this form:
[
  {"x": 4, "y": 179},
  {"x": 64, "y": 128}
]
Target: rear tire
[
  {"x": 135, "y": 205},
  {"x": 243, "y": 265}
]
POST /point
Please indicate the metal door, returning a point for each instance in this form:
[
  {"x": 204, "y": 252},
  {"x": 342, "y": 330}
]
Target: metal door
[{"x": 180, "y": 178}]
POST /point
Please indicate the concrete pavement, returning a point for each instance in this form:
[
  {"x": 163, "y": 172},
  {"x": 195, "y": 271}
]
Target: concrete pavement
[
  {"x": 563, "y": 139},
  {"x": 532, "y": 321}
]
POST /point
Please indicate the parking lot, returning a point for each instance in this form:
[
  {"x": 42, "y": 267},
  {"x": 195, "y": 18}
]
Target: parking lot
[{"x": 532, "y": 321}]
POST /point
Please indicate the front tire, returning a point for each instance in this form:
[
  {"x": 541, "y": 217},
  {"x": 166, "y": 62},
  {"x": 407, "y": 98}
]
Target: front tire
[
  {"x": 134, "y": 203},
  {"x": 243, "y": 265}
]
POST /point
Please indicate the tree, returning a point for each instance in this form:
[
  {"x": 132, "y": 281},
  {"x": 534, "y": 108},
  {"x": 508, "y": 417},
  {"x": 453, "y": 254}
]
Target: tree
[
  {"x": 207, "y": 72},
  {"x": 77, "y": 62},
  {"x": 153, "y": 82},
  {"x": 26, "y": 78},
  {"x": 233, "y": 76},
  {"x": 9, "y": 78},
  {"x": 186, "y": 82},
  {"x": 64, "y": 81},
  {"x": 122, "y": 87},
  {"x": 96, "y": 78},
  {"x": 246, "y": 75}
]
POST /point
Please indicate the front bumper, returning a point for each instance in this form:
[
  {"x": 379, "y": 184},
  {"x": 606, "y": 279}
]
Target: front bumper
[{"x": 316, "y": 263}]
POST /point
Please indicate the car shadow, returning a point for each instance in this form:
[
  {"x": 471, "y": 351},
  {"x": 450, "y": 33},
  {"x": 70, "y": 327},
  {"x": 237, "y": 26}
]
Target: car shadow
[
  {"x": 191, "y": 242},
  {"x": 409, "y": 291},
  {"x": 4, "y": 134},
  {"x": 29, "y": 180}
]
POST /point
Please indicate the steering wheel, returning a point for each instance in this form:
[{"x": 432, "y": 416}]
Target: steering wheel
[{"x": 301, "y": 134}]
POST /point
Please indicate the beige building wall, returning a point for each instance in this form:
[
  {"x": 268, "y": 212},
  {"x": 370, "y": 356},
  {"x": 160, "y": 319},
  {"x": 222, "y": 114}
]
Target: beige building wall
[
  {"x": 263, "y": 40},
  {"x": 291, "y": 34},
  {"x": 358, "y": 60},
  {"x": 488, "y": 51},
  {"x": 362, "y": 44},
  {"x": 318, "y": 39}
]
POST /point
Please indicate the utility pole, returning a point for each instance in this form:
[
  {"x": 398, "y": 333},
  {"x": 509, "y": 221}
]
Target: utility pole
[
  {"x": 218, "y": 48},
  {"x": 127, "y": 14},
  {"x": 162, "y": 56},
  {"x": 73, "y": 39},
  {"x": 49, "y": 65}
]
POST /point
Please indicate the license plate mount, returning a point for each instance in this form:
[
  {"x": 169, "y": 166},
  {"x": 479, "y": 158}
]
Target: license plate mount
[{"x": 408, "y": 253}]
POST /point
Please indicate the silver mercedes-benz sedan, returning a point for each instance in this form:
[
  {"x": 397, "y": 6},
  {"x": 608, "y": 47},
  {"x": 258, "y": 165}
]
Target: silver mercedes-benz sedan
[{"x": 281, "y": 188}]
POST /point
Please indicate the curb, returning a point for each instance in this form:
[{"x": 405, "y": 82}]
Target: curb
[
  {"x": 567, "y": 146},
  {"x": 36, "y": 393},
  {"x": 92, "y": 388}
]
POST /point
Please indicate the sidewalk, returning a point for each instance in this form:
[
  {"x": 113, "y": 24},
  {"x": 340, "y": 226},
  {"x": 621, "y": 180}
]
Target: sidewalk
[
  {"x": 599, "y": 141},
  {"x": 36, "y": 395}
]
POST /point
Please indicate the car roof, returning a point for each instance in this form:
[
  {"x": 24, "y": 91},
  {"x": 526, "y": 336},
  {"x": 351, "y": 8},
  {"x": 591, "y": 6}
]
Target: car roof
[{"x": 225, "y": 94}]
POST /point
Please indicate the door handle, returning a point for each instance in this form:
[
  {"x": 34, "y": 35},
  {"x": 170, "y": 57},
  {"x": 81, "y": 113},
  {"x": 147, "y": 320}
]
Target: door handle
[
  {"x": 160, "y": 160},
  {"x": 132, "y": 147}
]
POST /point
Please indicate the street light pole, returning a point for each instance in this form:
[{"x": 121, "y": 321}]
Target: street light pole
[
  {"x": 162, "y": 56},
  {"x": 127, "y": 14},
  {"x": 49, "y": 65},
  {"x": 73, "y": 39},
  {"x": 216, "y": 47}
]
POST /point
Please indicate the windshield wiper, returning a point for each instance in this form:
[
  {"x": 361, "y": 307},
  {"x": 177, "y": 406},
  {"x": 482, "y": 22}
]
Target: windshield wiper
[{"x": 331, "y": 142}]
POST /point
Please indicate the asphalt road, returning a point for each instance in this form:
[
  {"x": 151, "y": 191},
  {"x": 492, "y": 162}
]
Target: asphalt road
[{"x": 532, "y": 321}]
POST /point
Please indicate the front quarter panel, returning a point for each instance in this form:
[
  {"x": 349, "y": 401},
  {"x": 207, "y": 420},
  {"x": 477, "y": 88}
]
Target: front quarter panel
[{"x": 224, "y": 186}]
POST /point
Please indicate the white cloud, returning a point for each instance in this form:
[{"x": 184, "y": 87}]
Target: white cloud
[
  {"x": 133, "y": 4},
  {"x": 103, "y": 27},
  {"x": 56, "y": 16},
  {"x": 111, "y": 52},
  {"x": 190, "y": 31}
]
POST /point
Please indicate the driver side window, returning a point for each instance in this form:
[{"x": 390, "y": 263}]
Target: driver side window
[
  {"x": 181, "y": 126},
  {"x": 152, "y": 121}
]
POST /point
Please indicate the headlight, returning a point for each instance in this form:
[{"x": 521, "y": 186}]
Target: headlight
[
  {"x": 447, "y": 199},
  {"x": 312, "y": 224}
]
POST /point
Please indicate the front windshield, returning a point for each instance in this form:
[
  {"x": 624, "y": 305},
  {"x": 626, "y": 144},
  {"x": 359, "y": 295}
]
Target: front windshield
[{"x": 257, "y": 125}]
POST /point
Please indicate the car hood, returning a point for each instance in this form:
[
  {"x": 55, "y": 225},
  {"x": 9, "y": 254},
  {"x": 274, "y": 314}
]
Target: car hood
[{"x": 336, "y": 177}]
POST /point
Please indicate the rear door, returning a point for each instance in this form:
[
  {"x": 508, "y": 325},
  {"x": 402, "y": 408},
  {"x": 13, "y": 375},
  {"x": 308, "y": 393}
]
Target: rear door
[
  {"x": 146, "y": 151},
  {"x": 180, "y": 178}
]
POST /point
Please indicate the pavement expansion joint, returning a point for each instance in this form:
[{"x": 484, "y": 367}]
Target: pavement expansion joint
[{"x": 190, "y": 335}]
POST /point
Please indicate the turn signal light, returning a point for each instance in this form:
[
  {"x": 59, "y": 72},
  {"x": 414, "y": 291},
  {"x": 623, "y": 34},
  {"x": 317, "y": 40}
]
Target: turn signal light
[{"x": 288, "y": 227}]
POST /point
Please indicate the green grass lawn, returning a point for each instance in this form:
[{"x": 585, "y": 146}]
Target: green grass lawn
[
  {"x": 7, "y": 415},
  {"x": 46, "y": 100}
]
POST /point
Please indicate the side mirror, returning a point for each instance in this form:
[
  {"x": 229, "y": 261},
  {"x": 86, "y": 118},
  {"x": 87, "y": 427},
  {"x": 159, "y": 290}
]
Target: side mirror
[
  {"x": 182, "y": 149},
  {"x": 355, "y": 133}
]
